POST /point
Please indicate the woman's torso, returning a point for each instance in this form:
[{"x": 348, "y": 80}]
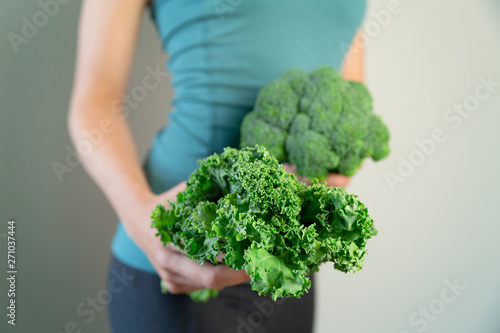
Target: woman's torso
[{"x": 220, "y": 54}]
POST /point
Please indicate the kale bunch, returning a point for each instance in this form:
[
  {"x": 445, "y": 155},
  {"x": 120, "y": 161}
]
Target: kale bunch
[{"x": 244, "y": 204}]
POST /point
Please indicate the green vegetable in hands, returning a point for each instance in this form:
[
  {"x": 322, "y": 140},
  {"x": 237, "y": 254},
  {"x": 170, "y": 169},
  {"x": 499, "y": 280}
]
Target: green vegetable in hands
[
  {"x": 244, "y": 204},
  {"x": 202, "y": 295},
  {"x": 317, "y": 121}
]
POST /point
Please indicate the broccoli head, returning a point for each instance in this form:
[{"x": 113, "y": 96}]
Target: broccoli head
[{"x": 317, "y": 121}]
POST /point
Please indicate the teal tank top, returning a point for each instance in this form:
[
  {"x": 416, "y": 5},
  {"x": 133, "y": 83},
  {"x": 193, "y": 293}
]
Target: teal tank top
[{"x": 220, "y": 54}]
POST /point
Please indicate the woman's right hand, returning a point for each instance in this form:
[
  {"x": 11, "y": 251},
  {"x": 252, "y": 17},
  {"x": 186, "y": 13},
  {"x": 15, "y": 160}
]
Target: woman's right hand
[{"x": 180, "y": 274}]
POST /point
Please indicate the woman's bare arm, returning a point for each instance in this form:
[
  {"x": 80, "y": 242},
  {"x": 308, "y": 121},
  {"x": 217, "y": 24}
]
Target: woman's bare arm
[
  {"x": 106, "y": 42},
  {"x": 353, "y": 67}
]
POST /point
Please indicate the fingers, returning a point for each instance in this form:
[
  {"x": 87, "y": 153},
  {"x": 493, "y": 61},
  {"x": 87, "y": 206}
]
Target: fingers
[
  {"x": 337, "y": 180},
  {"x": 230, "y": 277},
  {"x": 172, "y": 248},
  {"x": 203, "y": 276},
  {"x": 289, "y": 167},
  {"x": 180, "y": 187},
  {"x": 292, "y": 168},
  {"x": 225, "y": 277},
  {"x": 333, "y": 179},
  {"x": 177, "y": 284},
  {"x": 164, "y": 262},
  {"x": 220, "y": 257},
  {"x": 200, "y": 275}
]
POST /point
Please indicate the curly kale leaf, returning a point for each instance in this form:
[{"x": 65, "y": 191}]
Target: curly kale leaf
[{"x": 242, "y": 203}]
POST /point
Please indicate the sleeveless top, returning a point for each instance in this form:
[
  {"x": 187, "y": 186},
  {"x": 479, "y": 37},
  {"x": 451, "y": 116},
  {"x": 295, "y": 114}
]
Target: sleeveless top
[{"x": 220, "y": 54}]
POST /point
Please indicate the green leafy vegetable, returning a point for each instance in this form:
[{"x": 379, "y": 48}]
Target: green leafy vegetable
[
  {"x": 202, "y": 295},
  {"x": 244, "y": 204},
  {"x": 317, "y": 121}
]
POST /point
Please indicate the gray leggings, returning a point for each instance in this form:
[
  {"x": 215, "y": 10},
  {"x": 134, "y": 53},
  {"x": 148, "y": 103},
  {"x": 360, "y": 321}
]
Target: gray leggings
[{"x": 140, "y": 307}]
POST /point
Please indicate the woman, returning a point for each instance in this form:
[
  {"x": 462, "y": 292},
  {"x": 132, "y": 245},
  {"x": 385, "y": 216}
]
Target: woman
[{"x": 220, "y": 54}]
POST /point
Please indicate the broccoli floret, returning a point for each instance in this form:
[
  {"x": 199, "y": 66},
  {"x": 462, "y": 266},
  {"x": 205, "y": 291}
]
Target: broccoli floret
[
  {"x": 297, "y": 79},
  {"x": 311, "y": 148},
  {"x": 277, "y": 111},
  {"x": 268, "y": 124},
  {"x": 266, "y": 134},
  {"x": 359, "y": 97},
  {"x": 317, "y": 121},
  {"x": 378, "y": 136}
]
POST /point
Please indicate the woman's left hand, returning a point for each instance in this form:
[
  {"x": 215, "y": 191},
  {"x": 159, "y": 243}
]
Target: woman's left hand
[{"x": 333, "y": 179}]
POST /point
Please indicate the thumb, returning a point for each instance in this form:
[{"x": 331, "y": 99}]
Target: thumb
[
  {"x": 171, "y": 194},
  {"x": 337, "y": 180}
]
